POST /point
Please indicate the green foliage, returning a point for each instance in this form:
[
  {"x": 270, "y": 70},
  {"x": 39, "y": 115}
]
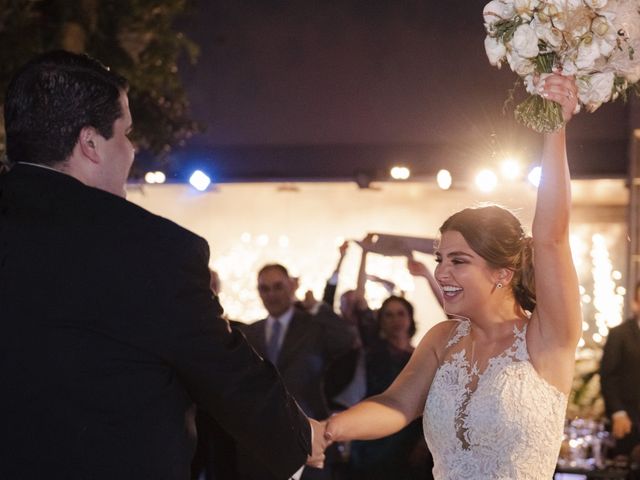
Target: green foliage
[
  {"x": 136, "y": 38},
  {"x": 545, "y": 62},
  {"x": 504, "y": 30}
]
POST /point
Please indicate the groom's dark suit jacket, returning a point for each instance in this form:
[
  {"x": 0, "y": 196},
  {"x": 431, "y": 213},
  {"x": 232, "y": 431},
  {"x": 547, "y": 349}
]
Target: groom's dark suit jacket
[{"x": 109, "y": 333}]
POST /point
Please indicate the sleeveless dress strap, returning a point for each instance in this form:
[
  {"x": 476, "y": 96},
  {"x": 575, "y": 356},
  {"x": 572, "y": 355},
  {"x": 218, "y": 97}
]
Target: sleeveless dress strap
[{"x": 461, "y": 330}]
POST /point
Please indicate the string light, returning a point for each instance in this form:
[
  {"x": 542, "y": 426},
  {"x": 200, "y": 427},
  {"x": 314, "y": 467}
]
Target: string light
[{"x": 606, "y": 301}]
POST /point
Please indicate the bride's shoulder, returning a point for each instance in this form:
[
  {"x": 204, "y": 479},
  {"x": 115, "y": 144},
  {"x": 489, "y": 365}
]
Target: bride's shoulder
[{"x": 438, "y": 336}]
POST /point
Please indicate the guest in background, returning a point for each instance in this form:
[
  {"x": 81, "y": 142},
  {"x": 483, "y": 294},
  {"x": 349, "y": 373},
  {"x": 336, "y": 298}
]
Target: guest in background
[
  {"x": 620, "y": 380},
  {"x": 302, "y": 347},
  {"x": 355, "y": 312},
  {"x": 403, "y": 455}
]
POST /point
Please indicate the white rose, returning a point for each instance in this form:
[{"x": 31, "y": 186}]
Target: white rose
[
  {"x": 569, "y": 67},
  {"x": 605, "y": 46},
  {"x": 564, "y": 5},
  {"x": 525, "y": 8},
  {"x": 559, "y": 11},
  {"x": 496, "y": 51},
  {"x": 632, "y": 73},
  {"x": 547, "y": 33},
  {"x": 588, "y": 53},
  {"x": 530, "y": 86},
  {"x": 600, "y": 26},
  {"x": 596, "y": 3},
  {"x": 497, "y": 10},
  {"x": 595, "y": 89},
  {"x": 522, "y": 66},
  {"x": 525, "y": 42}
]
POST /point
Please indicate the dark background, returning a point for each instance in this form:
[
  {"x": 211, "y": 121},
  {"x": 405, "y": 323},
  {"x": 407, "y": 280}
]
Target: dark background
[{"x": 301, "y": 89}]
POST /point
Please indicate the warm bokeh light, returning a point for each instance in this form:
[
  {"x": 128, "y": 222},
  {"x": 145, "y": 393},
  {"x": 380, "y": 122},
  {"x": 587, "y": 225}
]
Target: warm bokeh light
[
  {"x": 486, "y": 180},
  {"x": 510, "y": 169},
  {"x": 607, "y": 302},
  {"x": 155, "y": 177},
  {"x": 444, "y": 179},
  {"x": 400, "y": 173}
]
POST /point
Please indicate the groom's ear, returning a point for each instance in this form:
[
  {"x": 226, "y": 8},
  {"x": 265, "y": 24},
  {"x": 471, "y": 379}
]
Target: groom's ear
[{"x": 87, "y": 144}]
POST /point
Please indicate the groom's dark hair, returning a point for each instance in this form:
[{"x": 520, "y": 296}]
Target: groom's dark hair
[{"x": 52, "y": 98}]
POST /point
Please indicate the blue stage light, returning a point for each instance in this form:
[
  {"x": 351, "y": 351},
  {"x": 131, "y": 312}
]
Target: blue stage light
[{"x": 199, "y": 180}]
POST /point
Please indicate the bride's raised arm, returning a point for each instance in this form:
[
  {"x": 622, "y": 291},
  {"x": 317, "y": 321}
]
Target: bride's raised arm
[{"x": 557, "y": 317}]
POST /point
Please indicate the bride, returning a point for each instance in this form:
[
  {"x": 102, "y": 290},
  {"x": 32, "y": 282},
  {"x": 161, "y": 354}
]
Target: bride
[{"x": 493, "y": 386}]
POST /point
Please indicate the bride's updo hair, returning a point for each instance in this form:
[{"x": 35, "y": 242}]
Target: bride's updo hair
[{"x": 496, "y": 235}]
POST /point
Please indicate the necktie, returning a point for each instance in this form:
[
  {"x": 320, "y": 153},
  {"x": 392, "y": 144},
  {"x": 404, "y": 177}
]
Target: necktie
[{"x": 272, "y": 347}]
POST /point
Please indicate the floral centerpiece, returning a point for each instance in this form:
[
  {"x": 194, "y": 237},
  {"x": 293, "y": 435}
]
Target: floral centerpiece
[{"x": 597, "y": 41}]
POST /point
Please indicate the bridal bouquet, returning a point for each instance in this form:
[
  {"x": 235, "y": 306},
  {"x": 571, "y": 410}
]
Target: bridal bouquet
[{"x": 598, "y": 41}]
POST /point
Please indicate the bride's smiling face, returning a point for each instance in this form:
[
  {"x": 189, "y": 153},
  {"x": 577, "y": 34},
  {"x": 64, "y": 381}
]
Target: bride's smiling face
[{"x": 466, "y": 279}]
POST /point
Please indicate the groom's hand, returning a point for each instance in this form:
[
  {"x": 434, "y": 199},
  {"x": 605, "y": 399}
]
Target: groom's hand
[{"x": 318, "y": 444}]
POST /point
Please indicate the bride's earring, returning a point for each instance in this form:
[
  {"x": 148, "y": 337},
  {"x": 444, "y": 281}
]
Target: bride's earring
[{"x": 499, "y": 285}]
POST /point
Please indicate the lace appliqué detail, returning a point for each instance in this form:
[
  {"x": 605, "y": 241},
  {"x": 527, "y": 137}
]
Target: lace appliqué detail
[
  {"x": 462, "y": 330},
  {"x": 508, "y": 427}
]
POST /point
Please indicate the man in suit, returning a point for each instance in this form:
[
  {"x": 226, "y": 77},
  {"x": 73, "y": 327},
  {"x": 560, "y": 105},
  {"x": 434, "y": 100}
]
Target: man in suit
[
  {"x": 302, "y": 346},
  {"x": 110, "y": 332},
  {"x": 620, "y": 380}
]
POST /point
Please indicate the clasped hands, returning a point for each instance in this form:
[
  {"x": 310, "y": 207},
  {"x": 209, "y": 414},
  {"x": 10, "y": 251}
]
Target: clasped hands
[{"x": 322, "y": 437}]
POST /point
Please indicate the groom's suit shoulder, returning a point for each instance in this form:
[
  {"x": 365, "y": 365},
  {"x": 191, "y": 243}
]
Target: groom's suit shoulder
[{"x": 141, "y": 220}]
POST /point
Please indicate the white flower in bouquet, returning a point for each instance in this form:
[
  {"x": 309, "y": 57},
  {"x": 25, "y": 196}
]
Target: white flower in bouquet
[
  {"x": 525, "y": 41},
  {"x": 597, "y": 41},
  {"x": 596, "y": 89},
  {"x": 496, "y": 51},
  {"x": 525, "y": 8},
  {"x": 595, "y": 4},
  {"x": 521, "y": 65},
  {"x": 497, "y": 10},
  {"x": 588, "y": 53},
  {"x": 547, "y": 33}
]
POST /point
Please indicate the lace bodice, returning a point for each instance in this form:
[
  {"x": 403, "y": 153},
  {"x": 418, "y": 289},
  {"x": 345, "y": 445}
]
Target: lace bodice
[{"x": 509, "y": 427}]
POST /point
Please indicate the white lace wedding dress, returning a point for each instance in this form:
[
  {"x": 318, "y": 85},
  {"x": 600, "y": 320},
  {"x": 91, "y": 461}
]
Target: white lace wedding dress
[{"x": 509, "y": 427}]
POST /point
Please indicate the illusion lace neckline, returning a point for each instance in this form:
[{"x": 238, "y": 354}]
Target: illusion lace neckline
[{"x": 504, "y": 422}]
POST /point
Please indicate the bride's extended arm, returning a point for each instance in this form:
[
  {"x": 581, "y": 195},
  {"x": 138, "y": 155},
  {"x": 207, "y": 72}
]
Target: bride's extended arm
[
  {"x": 401, "y": 403},
  {"x": 557, "y": 314}
]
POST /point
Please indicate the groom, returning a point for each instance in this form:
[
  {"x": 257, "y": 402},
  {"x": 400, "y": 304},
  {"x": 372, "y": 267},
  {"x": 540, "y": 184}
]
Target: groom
[{"x": 109, "y": 330}]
